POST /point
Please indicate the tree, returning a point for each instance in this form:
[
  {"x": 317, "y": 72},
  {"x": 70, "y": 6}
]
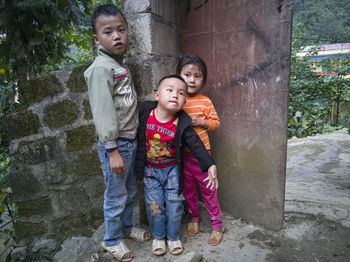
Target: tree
[
  {"x": 32, "y": 31},
  {"x": 329, "y": 20},
  {"x": 312, "y": 97}
]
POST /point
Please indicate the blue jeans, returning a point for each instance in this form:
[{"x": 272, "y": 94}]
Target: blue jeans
[
  {"x": 119, "y": 193},
  {"x": 163, "y": 204}
]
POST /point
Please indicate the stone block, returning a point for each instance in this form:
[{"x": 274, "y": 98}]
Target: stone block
[
  {"x": 87, "y": 110},
  {"x": 27, "y": 230},
  {"x": 71, "y": 199},
  {"x": 60, "y": 114},
  {"x": 38, "y": 151},
  {"x": 77, "y": 223},
  {"x": 40, "y": 207},
  {"x": 80, "y": 138},
  {"x": 86, "y": 164},
  {"x": 45, "y": 246},
  {"x": 147, "y": 70},
  {"x": 166, "y": 9},
  {"x": 167, "y": 45},
  {"x": 34, "y": 91},
  {"x": 76, "y": 82},
  {"x": 139, "y": 34},
  {"x": 145, "y": 32},
  {"x": 96, "y": 215},
  {"x": 23, "y": 183},
  {"x": 21, "y": 124},
  {"x": 141, "y": 6}
]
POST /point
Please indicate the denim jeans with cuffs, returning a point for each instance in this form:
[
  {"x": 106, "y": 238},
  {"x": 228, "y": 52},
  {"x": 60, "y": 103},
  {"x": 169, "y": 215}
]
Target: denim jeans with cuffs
[
  {"x": 119, "y": 193},
  {"x": 163, "y": 204}
]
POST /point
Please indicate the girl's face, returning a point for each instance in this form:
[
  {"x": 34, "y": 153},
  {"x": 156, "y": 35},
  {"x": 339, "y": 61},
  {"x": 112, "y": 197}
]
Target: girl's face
[{"x": 193, "y": 76}]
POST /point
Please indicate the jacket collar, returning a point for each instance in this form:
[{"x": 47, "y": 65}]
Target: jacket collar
[{"x": 104, "y": 51}]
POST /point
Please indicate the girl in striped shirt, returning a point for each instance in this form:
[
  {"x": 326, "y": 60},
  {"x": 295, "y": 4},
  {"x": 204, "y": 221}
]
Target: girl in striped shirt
[{"x": 204, "y": 118}]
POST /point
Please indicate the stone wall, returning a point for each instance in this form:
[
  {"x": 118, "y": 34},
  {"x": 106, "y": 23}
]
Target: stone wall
[{"x": 55, "y": 173}]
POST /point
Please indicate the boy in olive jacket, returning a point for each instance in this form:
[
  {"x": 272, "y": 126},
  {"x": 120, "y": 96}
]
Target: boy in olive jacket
[{"x": 113, "y": 104}]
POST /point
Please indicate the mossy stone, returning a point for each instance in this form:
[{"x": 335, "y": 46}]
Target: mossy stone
[
  {"x": 96, "y": 215},
  {"x": 23, "y": 183},
  {"x": 21, "y": 124},
  {"x": 76, "y": 82},
  {"x": 87, "y": 164},
  {"x": 60, "y": 114},
  {"x": 26, "y": 230},
  {"x": 74, "y": 224},
  {"x": 80, "y": 138},
  {"x": 73, "y": 199},
  {"x": 87, "y": 110},
  {"x": 38, "y": 151},
  {"x": 39, "y": 207},
  {"x": 36, "y": 90}
]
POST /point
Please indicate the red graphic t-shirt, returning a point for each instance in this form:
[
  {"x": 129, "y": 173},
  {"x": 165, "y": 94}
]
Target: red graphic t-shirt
[{"x": 160, "y": 141}]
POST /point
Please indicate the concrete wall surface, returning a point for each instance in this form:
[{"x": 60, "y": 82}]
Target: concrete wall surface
[{"x": 246, "y": 46}]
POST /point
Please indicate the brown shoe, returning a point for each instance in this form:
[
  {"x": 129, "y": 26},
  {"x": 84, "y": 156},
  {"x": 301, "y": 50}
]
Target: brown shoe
[
  {"x": 216, "y": 236},
  {"x": 193, "y": 228}
]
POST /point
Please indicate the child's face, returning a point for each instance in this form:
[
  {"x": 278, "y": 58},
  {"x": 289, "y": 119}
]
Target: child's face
[
  {"x": 112, "y": 33},
  {"x": 171, "y": 95},
  {"x": 194, "y": 78}
]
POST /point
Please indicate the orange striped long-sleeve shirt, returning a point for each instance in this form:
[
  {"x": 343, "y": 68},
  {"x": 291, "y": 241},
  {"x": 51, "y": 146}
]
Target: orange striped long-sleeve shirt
[{"x": 202, "y": 107}]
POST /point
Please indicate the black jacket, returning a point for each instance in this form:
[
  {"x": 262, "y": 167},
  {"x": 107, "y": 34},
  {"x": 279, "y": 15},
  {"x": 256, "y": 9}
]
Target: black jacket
[{"x": 185, "y": 137}]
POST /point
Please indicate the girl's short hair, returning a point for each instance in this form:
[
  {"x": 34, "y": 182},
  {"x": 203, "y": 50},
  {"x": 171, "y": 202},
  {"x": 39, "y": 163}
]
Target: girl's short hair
[{"x": 192, "y": 59}]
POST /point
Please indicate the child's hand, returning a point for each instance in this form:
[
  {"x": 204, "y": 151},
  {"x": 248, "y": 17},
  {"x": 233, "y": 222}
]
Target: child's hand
[
  {"x": 116, "y": 162},
  {"x": 213, "y": 180},
  {"x": 196, "y": 121}
]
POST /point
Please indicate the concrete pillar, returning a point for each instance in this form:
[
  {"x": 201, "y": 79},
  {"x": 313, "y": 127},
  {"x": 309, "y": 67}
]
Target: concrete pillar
[{"x": 154, "y": 44}]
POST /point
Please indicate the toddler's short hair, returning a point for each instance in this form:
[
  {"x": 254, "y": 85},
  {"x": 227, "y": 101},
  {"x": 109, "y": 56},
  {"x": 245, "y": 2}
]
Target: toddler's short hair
[
  {"x": 167, "y": 77},
  {"x": 106, "y": 10}
]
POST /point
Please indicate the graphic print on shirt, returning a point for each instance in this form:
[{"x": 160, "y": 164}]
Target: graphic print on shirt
[
  {"x": 160, "y": 142},
  {"x": 157, "y": 148},
  {"x": 125, "y": 91}
]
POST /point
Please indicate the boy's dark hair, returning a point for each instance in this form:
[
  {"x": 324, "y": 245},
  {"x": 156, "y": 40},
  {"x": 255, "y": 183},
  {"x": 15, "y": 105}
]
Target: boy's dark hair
[
  {"x": 167, "y": 77},
  {"x": 106, "y": 10},
  {"x": 192, "y": 59}
]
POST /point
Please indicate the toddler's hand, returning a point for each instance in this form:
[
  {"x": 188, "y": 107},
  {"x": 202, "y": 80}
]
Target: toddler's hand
[{"x": 212, "y": 178}]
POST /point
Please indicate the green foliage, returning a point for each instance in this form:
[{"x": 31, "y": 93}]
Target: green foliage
[
  {"x": 79, "y": 39},
  {"x": 328, "y": 20},
  {"x": 312, "y": 98},
  {"x": 32, "y": 33}
]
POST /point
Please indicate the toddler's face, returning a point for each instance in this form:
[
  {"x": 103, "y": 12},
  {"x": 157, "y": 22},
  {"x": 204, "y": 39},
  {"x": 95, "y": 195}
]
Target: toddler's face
[
  {"x": 112, "y": 33},
  {"x": 194, "y": 78},
  {"x": 171, "y": 95}
]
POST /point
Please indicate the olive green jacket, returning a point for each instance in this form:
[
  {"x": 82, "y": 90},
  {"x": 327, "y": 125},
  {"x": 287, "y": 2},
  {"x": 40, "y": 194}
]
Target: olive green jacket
[{"x": 112, "y": 98}]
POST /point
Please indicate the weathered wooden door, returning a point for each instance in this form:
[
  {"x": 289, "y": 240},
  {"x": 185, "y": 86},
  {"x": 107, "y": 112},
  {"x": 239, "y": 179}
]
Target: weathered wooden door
[{"x": 246, "y": 46}]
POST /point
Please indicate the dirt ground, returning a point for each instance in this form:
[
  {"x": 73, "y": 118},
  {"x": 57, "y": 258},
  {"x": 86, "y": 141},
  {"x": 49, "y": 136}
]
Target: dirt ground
[
  {"x": 317, "y": 214},
  {"x": 316, "y": 226}
]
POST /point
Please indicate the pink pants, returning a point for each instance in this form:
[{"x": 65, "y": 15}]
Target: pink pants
[{"x": 193, "y": 174}]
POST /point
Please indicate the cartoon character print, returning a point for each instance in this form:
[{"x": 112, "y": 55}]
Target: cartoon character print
[{"x": 157, "y": 148}]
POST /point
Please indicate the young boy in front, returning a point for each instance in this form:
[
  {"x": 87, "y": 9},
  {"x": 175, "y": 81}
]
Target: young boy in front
[
  {"x": 113, "y": 104},
  {"x": 164, "y": 131}
]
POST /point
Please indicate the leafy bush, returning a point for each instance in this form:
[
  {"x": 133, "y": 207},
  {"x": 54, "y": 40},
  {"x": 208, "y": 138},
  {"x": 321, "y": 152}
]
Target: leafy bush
[{"x": 313, "y": 99}]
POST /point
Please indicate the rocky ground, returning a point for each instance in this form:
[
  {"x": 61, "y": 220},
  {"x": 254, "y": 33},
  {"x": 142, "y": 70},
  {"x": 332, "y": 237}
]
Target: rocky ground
[{"x": 316, "y": 226}]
